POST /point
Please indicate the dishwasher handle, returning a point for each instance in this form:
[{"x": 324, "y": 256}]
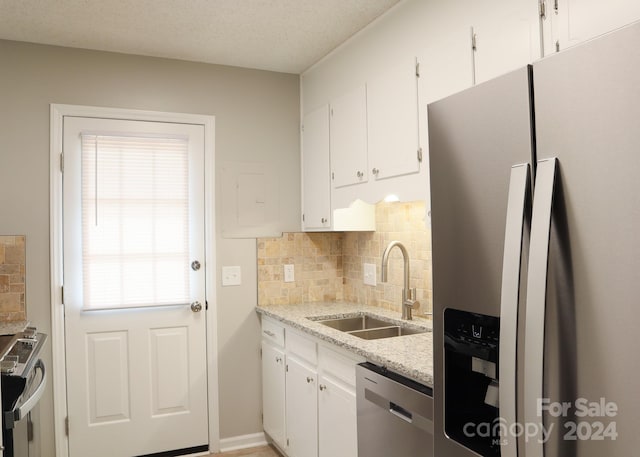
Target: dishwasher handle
[
  {"x": 412, "y": 418},
  {"x": 400, "y": 412}
]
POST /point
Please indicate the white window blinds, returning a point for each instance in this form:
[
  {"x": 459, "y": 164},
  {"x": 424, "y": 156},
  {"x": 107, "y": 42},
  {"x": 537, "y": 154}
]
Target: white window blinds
[{"x": 135, "y": 219}]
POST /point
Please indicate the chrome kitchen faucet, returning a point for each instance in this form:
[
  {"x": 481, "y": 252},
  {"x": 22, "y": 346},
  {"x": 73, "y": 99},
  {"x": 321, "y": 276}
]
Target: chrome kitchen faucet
[{"x": 409, "y": 301}]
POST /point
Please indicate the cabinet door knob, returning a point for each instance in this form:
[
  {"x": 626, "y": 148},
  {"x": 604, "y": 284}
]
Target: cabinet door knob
[
  {"x": 375, "y": 171},
  {"x": 359, "y": 174},
  {"x": 309, "y": 379},
  {"x": 278, "y": 359},
  {"x": 323, "y": 387},
  {"x": 323, "y": 220}
]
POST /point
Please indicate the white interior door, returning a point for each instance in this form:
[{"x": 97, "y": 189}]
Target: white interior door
[{"x": 133, "y": 204}]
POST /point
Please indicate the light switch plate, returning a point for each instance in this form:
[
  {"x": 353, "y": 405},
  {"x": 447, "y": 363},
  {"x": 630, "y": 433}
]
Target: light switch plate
[
  {"x": 289, "y": 275},
  {"x": 231, "y": 276},
  {"x": 370, "y": 274}
]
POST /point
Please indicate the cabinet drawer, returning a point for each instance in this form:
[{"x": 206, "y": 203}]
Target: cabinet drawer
[
  {"x": 302, "y": 346},
  {"x": 337, "y": 365},
  {"x": 272, "y": 331}
]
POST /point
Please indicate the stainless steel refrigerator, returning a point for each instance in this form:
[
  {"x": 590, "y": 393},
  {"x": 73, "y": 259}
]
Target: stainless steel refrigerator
[{"x": 535, "y": 211}]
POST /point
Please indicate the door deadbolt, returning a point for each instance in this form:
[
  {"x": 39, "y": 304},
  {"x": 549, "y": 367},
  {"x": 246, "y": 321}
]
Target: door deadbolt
[
  {"x": 195, "y": 265},
  {"x": 196, "y": 306}
]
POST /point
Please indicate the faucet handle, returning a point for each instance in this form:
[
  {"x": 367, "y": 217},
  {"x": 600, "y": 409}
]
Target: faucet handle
[
  {"x": 408, "y": 306},
  {"x": 412, "y": 293},
  {"x": 412, "y": 304}
]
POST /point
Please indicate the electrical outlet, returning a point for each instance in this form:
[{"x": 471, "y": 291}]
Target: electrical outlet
[
  {"x": 370, "y": 274},
  {"x": 289, "y": 275},
  {"x": 231, "y": 276}
]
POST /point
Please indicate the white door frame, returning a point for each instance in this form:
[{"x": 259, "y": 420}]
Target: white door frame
[{"x": 59, "y": 372}]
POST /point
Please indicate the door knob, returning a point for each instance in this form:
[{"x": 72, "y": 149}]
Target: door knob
[
  {"x": 196, "y": 306},
  {"x": 195, "y": 265}
]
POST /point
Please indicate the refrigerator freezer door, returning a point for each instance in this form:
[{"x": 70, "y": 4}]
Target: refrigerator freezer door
[
  {"x": 587, "y": 104},
  {"x": 475, "y": 137}
]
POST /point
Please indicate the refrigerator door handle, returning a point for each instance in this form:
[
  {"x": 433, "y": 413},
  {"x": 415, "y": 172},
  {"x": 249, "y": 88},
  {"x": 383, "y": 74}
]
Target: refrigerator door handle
[
  {"x": 519, "y": 194},
  {"x": 536, "y": 302}
]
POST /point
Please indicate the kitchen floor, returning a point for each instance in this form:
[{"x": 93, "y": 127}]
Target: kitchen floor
[{"x": 262, "y": 451}]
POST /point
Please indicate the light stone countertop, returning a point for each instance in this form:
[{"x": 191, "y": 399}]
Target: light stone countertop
[
  {"x": 13, "y": 327},
  {"x": 408, "y": 355}
]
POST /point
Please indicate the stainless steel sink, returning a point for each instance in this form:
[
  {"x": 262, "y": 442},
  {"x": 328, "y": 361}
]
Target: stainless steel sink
[
  {"x": 369, "y": 327},
  {"x": 349, "y": 324},
  {"x": 385, "y": 332}
]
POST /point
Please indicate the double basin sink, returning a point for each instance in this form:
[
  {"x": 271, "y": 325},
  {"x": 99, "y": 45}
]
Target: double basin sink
[{"x": 369, "y": 327}]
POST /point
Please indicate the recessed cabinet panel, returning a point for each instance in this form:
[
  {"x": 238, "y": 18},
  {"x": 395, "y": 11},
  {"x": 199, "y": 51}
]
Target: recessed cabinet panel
[
  {"x": 392, "y": 116},
  {"x": 507, "y": 41},
  {"x": 348, "y": 138},
  {"x": 581, "y": 20},
  {"x": 316, "y": 171}
]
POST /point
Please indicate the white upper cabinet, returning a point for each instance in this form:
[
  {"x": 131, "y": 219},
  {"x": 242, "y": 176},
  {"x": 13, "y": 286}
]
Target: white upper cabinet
[
  {"x": 569, "y": 22},
  {"x": 392, "y": 115},
  {"x": 316, "y": 172},
  {"x": 348, "y": 138},
  {"x": 506, "y": 39}
]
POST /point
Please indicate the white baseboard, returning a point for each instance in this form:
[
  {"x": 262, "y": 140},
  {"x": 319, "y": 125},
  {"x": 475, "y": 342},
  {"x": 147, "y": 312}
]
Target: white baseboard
[{"x": 242, "y": 442}]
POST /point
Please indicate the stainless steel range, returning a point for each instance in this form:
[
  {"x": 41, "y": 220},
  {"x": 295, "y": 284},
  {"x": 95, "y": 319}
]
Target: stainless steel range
[{"x": 23, "y": 383}]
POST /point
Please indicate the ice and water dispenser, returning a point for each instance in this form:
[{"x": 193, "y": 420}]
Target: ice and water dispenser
[{"x": 471, "y": 380}]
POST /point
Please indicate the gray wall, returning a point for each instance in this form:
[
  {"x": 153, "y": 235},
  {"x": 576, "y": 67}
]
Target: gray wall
[{"x": 257, "y": 118}]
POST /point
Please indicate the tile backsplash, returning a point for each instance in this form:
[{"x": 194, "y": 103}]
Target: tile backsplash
[
  {"x": 12, "y": 278},
  {"x": 317, "y": 260},
  {"x": 329, "y": 266}
]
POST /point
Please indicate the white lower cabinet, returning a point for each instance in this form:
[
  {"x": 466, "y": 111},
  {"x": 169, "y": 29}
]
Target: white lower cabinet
[
  {"x": 273, "y": 389},
  {"x": 302, "y": 409},
  {"x": 317, "y": 397},
  {"x": 336, "y": 419}
]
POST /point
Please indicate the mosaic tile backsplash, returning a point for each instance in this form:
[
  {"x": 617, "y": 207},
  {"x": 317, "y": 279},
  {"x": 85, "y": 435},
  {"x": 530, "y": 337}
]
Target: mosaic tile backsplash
[
  {"x": 12, "y": 278},
  {"x": 329, "y": 266}
]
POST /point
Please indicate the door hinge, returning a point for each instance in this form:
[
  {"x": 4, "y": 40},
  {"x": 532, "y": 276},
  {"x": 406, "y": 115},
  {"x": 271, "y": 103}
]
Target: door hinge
[
  {"x": 262, "y": 417},
  {"x": 287, "y": 442},
  {"x": 302, "y": 217},
  {"x": 206, "y": 305},
  {"x": 66, "y": 426},
  {"x": 302, "y": 128},
  {"x": 557, "y": 45},
  {"x": 62, "y": 294},
  {"x": 29, "y": 430},
  {"x": 417, "y": 69},
  {"x": 543, "y": 9},
  {"x": 333, "y": 175},
  {"x": 474, "y": 41},
  {"x": 286, "y": 368},
  {"x": 260, "y": 352},
  {"x": 61, "y": 162},
  {"x": 555, "y": 6},
  {"x": 419, "y": 154}
]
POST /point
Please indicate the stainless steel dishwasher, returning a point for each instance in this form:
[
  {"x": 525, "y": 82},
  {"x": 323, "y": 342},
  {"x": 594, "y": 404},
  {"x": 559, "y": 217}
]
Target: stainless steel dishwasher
[{"x": 395, "y": 414}]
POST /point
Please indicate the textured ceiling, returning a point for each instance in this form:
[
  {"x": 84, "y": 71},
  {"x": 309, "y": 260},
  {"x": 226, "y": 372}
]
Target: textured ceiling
[{"x": 278, "y": 35}]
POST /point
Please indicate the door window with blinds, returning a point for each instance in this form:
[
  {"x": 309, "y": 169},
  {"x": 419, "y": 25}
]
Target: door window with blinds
[{"x": 135, "y": 220}]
